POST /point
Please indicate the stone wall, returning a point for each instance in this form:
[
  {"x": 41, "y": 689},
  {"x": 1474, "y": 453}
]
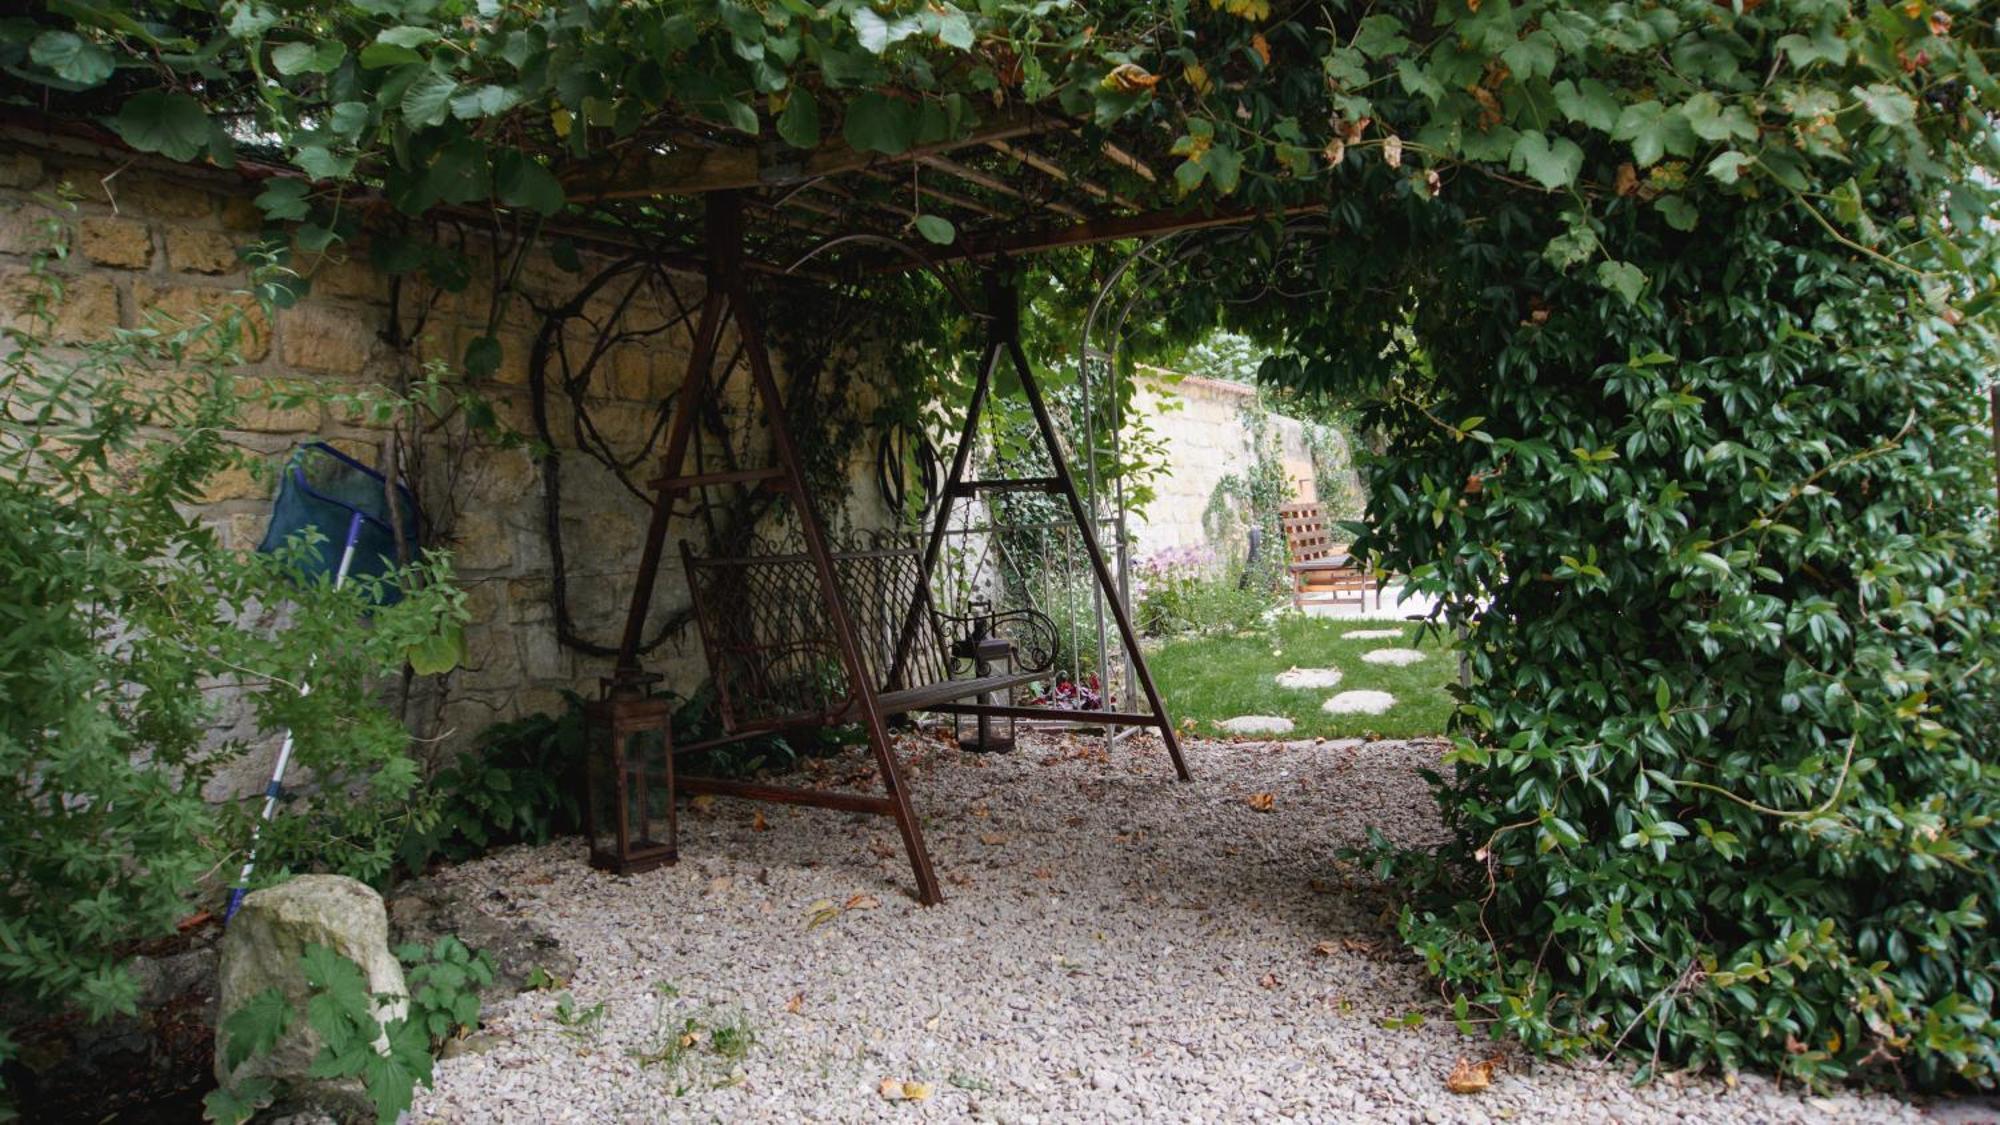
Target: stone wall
[
  {"x": 150, "y": 238},
  {"x": 1208, "y": 438}
]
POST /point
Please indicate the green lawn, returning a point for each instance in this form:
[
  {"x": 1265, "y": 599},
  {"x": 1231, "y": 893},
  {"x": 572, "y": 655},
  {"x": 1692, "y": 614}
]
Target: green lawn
[{"x": 1209, "y": 679}]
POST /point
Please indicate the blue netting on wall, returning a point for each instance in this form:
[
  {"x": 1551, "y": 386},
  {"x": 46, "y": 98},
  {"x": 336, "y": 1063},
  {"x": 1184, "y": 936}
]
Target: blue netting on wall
[{"x": 325, "y": 489}]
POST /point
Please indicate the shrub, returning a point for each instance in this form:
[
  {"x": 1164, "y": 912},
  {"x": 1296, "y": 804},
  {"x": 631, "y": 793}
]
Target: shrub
[
  {"x": 1183, "y": 590},
  {"x": 125, "y": 628},
  {"x": 1724, "y": 789}
]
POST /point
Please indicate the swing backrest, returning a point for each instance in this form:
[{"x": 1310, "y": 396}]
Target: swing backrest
[{"x": 770, "y": 642}]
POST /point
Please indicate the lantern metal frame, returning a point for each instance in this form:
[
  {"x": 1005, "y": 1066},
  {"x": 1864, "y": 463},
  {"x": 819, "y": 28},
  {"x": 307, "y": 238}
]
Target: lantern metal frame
[{"x": 619, "y": 790}]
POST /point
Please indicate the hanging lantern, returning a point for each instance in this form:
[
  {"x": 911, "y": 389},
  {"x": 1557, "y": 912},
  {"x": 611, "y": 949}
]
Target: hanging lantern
[
  {"x": 628, "y": 776},
  {"x": 991, "y": 655}
]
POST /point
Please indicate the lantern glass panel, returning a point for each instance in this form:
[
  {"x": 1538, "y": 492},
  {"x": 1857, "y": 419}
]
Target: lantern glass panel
[
  {"x": 649, "y": 792},
  {"x": 600, "y": 785}
]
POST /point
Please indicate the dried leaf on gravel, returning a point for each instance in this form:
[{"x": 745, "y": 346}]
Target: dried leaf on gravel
[
  {"x": 1268, "y": 980},
  {"x": 992, "y": 839},
  {"x": 862, "y": 902},
  {"x": 702, "y": 804},
  {"x": 1263, "y": 802},
  {"x": 1470, "y": 1077},
  {"x": 797, "y": 1004},
  {"x": 897, "y": 1090},
  {"x": 1326, "y": 948},
  {"x": 757, "y": 822},
  {"x": 823, "y": 911},
  {"x": 721, "y": 883}
]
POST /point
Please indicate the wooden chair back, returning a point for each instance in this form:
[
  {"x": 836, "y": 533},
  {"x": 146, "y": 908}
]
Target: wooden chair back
[{"x": 1307, "y": 537}]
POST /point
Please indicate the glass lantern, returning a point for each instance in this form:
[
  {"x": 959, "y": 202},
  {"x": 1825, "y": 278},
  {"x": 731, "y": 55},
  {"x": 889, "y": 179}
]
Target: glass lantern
[
  {"x": 991, "y": 655},
  {"x": 628, "y": 777}
]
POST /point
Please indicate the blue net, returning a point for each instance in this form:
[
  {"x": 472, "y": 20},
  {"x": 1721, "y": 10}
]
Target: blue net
[{"x": 331, "y": 492}]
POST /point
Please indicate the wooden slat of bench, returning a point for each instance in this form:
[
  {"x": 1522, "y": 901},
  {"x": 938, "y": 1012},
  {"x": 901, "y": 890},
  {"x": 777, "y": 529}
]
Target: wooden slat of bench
[{"x": 947, "y": 691}]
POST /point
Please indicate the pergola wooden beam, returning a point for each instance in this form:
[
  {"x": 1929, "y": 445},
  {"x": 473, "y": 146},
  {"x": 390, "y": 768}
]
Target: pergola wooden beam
[
  {"x": 941, "y": 195},
  {"x": 1120, "y": 156},
  {"x": 1105, "y": 230},
  {"x": 695, "y": 171},
  {"x": 1050, "y": 168},
  {"x": 995, "y": 184}
]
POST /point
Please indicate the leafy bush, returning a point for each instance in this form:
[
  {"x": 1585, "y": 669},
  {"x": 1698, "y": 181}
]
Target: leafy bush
[
  {"x": 1724, "y": 788},
  {"x": 129, "y": 627},
  {"x": 518, "y": 784},
  {"x": 1183, "y": 590}
]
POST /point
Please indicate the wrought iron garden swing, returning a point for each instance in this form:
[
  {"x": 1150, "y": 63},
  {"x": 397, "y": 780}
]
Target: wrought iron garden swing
[{"x": 815, "y": 635}]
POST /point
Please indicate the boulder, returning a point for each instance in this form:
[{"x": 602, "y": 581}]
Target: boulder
[{"x": 262, "y": 949}]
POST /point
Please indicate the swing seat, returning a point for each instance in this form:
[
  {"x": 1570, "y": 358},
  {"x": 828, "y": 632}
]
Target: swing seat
[{"x": 775, "y": 657}]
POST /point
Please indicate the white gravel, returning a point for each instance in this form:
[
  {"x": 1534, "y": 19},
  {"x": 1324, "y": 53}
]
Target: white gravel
[
  {"x": 1305, "y": 678},
  {"x": 1256, "y": 724},
  {"x": 1399, "y": 657},
  {"x": 1371, "y": 634},
  {"x": 1114, "y": 946},
  {"x": 1359, "y": 703}
]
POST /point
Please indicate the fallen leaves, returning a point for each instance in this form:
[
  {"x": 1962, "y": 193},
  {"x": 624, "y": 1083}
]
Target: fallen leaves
[
  {"x": 797, "y": 1004},
  {"x": 701, "y": 804},
  {"x": 757, "y": 822},
  {"x": 992, "y": 839},
  {"x": 1263, "y": 802},
  {"x": 1268, "y": 980},
  {"x": 898, "y": 1090},
  {"x": 825, "y": 910},
  {"x": 1468, "y": 1077}
]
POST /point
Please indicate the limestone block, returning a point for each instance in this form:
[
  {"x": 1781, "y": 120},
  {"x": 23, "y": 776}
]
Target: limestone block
[
  {"x": 542, "y": 657},
  {"x": 21, "y": 170},
  {"x": 86, "y": 310},
  {"x": 119, "y": 243},
  {"x": 506, "y": 475},
  {"x": 24, "y": 229},
  {"x": 515, "y": 350},
  {"x": 164, "y": 198},
  {"x": 482, "y": 543},
  {"x": 236, "y": 482},
  {"x": 239, "y": 214},
  {"x": 349, "y": 276},
  {"x": 325, "y": 339},
  {"x": 262, "y": 949},
  {"x": 632, "y": 373},
  {"x": 193, "y": 250},
  {"x": 173, "y": 308},
  {"x": 531, "y": 601}
]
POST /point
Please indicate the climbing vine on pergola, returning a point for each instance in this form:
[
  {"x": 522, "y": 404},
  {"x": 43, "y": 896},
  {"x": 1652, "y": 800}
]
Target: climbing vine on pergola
[{"x": 1675, "y": 317}]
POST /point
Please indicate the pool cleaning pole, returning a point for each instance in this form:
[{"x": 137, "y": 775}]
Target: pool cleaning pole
[{"x": 276, "y": 788}]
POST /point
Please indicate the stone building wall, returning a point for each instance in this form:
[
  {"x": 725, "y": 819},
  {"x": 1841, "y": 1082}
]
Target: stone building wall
[
  {"x": 149, "y": 238},
  {"x": 1208, "y": 438}
]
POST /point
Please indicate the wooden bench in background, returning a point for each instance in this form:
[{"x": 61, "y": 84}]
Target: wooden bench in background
[{"x": 1323, "y": 573}]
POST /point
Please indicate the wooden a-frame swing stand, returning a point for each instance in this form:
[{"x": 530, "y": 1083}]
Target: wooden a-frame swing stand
[{"x": 880, "y": 682}]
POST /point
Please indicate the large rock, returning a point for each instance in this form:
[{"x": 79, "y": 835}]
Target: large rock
[{"x": 262, "y": 949}]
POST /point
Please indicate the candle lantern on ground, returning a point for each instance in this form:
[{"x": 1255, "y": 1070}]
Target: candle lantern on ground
[
  {"x": 991, "y": 655},
  {"x": 629, "y": 779}
]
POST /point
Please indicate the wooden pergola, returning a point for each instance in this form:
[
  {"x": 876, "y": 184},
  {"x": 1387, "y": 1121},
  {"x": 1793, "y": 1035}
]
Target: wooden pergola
[
  {"x": 1017, "y": 184},
  {"x": 774, "y": 620}
]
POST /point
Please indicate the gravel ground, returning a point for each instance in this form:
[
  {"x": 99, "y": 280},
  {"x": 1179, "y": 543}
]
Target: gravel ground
[{"x": 1113, "y": 946}]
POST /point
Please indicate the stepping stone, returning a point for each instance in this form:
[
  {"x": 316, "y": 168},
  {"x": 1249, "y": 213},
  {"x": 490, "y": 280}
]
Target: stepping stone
[
  {"x": 1359, "y": 703},
  {"x": 1372, "y": 635},
  {"x": 1396, "y": 656},
  {"x": 1256, "y": 724},
  {"x": 1301, "y": 678}
]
